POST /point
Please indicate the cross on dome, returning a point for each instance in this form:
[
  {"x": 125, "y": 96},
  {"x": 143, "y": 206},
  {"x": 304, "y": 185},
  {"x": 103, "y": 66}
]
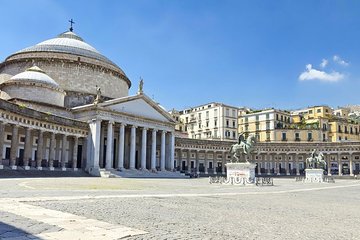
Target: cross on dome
[{"x": 71, "y": 21}]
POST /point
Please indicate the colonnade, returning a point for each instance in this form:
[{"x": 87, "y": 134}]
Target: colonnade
[
  {"x": 269, "y": 163},
  {"x": 62, "y": 151},
  {"x": 118, "y": 145}
]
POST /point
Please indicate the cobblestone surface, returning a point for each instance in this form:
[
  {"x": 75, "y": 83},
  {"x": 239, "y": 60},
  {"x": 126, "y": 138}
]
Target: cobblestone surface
[
  {"x": 321, "y": 214},
  {"x": 178, "y": 209}
]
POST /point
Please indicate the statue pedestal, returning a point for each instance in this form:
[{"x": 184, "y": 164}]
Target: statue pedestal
[
  {"x": 241, "y": 173},
  {"x": 314, "y": 175}
]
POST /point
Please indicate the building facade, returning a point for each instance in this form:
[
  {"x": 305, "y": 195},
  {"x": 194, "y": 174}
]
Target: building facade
[
  {"x": 214, "y": 121},
  {"x": 210, "y": 157}
]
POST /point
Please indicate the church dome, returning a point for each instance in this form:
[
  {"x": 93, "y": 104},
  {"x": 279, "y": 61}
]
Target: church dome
[
  {"x": 68, "y": 42},
  {"x": 34, "y": 75},
  {"x": 76, "y": 66},
  {"x": 33, "y": 85}
]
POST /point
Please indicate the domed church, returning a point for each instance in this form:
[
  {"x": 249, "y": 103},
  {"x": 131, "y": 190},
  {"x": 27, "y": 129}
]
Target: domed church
[{"x": 65, "y": 106}]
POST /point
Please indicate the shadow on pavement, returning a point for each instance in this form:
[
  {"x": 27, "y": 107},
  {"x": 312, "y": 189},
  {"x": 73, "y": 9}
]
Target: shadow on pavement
[{"x": 9, "y": 232}]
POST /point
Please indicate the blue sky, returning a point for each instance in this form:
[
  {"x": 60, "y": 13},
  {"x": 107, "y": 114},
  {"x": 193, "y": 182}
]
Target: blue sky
[{"x": 282, "y": 54}]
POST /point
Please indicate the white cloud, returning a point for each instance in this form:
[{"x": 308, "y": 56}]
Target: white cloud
[
  {"x": 340, "y": 61},
  {"x": 313, "y": 74},
  {"x": 324, "y": 63}
]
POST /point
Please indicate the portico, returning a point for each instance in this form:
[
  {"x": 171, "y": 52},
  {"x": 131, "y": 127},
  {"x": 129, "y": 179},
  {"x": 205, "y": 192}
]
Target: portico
[{"x": 131, "y": 133}]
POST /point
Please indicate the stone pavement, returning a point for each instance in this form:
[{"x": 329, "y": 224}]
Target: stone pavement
[{"x": 91, "y": 208}]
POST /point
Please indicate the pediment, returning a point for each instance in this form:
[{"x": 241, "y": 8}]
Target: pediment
[{"x": 139, "y": 105}]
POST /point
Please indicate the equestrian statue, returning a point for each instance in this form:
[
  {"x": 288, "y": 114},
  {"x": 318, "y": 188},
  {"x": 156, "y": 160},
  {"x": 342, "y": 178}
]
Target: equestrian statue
[
  {"x": 242, "y": 147},
  {"x": 316, "y": 160}
]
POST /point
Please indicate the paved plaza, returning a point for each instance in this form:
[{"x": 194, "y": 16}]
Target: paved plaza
[{"x": 98, "y": 208}]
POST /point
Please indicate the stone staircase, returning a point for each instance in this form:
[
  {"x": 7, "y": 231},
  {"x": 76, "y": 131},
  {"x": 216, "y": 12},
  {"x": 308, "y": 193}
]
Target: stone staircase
[{"x": 127, "y": 173}]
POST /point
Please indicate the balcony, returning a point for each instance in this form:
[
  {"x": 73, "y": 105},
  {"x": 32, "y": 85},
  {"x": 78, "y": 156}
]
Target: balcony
[
  {"x": 310, "y": 139},
  {"x": 297, "y": 139},
  {"x": 284, "y": 139}
]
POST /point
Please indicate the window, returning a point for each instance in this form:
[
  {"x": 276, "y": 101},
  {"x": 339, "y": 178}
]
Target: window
[
  {"x": 22, "y": 139},
  {"x": 234, "y": 134},
  {"x": 267, "y": 116},
  {"x": 215, "y": 112},
  {"x": 8, "y": 137},
  {"x": 339, "y": 138},
  {"x": 297, "y": 136},
  {"x": 257, "y": 136},
  {"x": 324, "y": 127},
  {"x": 283, "y": 136},
  {"x": 309, "y": 136},
  {"x": 215, "y": 122},
  {"x": 246, "y": 119},
  {"x": 281, "y": 118},
  {"x": 318, "y": 110},
  {"x": 324, "y": 137},
  {"x": 257, "y": 117},
  {"x": 277, "y": 116},
  {"x": 257, "y": 127},
  {"x": 310, "y": 111},
  {"x": 227, "y": 123},
  {"x": 339, "y": 129},
  {"x": 199, "y": 116},
  {"x": 234, "y": 124},
  {"x": 233, "y": 113},
  {"x": 207, "y": 114},
  {"x": 267, "y": 136},
  {"x": 268, "y": 126},
  {"x": 227, "y": 113},
  {"x": 207, "y": 123}
]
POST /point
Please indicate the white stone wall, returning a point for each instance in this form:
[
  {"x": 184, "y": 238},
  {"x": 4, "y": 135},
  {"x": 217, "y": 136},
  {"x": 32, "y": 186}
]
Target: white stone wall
[{"x": 34, "y": 93}]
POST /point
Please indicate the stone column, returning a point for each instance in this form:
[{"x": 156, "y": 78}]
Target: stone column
[
  {"x": 14, "y": 146},
  {"x": 206, "y": 162},
  {"x": 102, "y": 144},
  {"x": 2, "y": 134},
  {"x": 180, "y": 160},
  {"x": 132, "y": 147},
  {"x": 328, "y": 163},
  {"x": 215, "y": 162},
  {"x": 162, "y": 151},
  {"x": 268, "y": 164},
  {"x": 52, "y": 151},
  {"x": 94, "y": 154},
  {"x": 197, "y": 162},
  {"x": 109, "y": 145},
  {"x": 121, "y": 146},
  {"x": 258, "y": 167},
  {"x": 39, "y": 151},
  {"x": 27, "y": 148},
  {"x": 351, "y": 164},
  {"x": 189, "y": 160},
  {"x": 63, "y": 153},
  {"x": 83, "y": 152},
  {"x": 143, "y": 149},
  {"x": 75, "y": 153},
  {"x": 297, "y": 164},
  {"x": 286, "y": 162},
  {"x": 223, "y": 162},
  {"x": 172, "y": 151},
  {"x": 339, "y": 165},
  {"x": 153, "y": 150}
]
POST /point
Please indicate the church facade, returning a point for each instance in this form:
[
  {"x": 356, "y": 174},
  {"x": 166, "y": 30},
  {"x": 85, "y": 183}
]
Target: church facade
[{"x": 66, "y": 106}]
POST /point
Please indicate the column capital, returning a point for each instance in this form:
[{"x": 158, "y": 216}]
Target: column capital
[
  {"x": 134, "y": 126},
  {"x": 145, "y": 128},
  {"x": 123, "y": 124},
  {"x": 154, "y": 130},
  {"x": 111, "y": 122}
]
